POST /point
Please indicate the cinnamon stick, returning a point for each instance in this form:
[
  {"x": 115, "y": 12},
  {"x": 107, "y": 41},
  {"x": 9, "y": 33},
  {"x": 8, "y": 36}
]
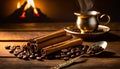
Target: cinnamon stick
[
  {"x": 50, "y": 36},
  {"x": 56, "y": 47}
]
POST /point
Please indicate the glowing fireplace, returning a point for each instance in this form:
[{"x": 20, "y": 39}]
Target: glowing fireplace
[
  {"x": 30, "y": 4},
  {"x": 27, "y": 12}
]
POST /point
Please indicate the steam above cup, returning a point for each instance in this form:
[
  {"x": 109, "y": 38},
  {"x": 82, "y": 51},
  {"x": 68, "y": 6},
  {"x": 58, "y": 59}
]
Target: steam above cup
[{"x": 89, "y": 22}]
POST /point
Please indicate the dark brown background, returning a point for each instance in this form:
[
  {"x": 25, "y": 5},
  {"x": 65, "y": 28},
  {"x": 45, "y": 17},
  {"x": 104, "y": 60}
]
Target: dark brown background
[{"x": 62, "y": 10}]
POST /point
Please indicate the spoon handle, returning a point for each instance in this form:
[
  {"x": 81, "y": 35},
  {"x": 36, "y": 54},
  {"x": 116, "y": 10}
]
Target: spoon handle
[{"x": 66, "y": 63}]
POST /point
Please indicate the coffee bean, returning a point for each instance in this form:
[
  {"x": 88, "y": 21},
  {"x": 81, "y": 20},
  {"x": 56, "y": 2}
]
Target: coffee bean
[
  {"x": 77, "y": 54},
  {"x": 20, "y": 56},
  {"x": 28, "y": 44},
  {"x": 25, "y": 57},
  {"x": 69, "y": 48},
  {"x": 16, "y": 53},
  {"x": 7, "y": 47},
  {"x": 24, "y": 52},
  {"x": 85, "y": 48},
  {"x": 80, "y": 47},
  {"x": 64, "y": 50},
  {"x": 66, "y": 58},
  {"x": 63, "y": 55},
  {"x": 77, "y": 49},
  {"x": 32, "y": 56},
  {"x": 57, "y": 56},
  {"x": 39, "y": 58},
  {"x": 37, "y": 54},
  {"x": 72, "y": 50},
  {"x": 72, "y": 56},
  {"x": 12, "y": 49},
  {"x": 68, "y": 53}
]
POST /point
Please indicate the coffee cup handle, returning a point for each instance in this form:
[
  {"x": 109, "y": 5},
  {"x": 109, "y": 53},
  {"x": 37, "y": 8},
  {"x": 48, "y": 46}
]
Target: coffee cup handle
[{"x": 104, "y": 15}]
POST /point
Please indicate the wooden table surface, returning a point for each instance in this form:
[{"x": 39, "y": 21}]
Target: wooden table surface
[{"x": 19, "y": 33}]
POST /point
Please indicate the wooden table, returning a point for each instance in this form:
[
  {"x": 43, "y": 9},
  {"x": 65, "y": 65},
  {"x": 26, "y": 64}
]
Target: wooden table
[{"x": 19, "y": 33}]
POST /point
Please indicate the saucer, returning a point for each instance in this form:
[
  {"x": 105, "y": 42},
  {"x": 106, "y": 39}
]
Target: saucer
[{"x": 75, "y": 31}]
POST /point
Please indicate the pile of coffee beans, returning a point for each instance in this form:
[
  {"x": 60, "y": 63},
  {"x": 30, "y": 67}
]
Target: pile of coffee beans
[
  {"x": 95, "y": 50},
  {"x": 23, "y": 52},
  {"x": 27, "y": 52}
]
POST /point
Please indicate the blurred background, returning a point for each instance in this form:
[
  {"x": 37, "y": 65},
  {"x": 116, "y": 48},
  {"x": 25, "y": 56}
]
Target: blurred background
[{"x": 62, "y": 10}]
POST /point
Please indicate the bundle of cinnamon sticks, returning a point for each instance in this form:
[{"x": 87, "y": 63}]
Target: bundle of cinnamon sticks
[{"x": 50, "y": 43}]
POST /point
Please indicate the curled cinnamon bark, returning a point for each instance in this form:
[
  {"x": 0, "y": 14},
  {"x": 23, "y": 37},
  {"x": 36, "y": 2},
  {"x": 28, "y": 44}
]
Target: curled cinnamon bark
[
  {"x": 56, "y": 47},
  {"x": 50, "y": 36}
]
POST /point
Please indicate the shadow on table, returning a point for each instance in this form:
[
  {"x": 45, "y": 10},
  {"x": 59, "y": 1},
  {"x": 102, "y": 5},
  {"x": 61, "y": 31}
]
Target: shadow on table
[
  {"x": 106, "y": 54},
  {"x": 106, "y": 37}
]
